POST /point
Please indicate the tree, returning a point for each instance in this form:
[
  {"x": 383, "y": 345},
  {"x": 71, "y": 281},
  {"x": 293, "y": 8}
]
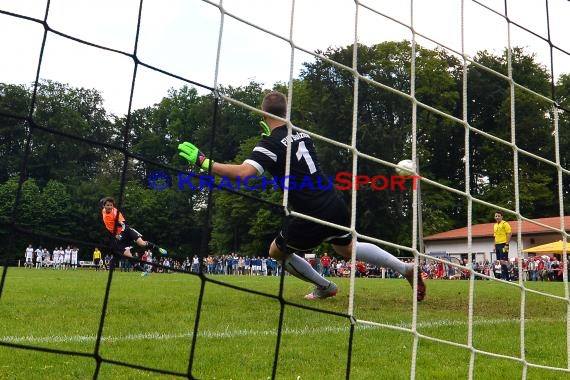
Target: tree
[
  {"x": 60, "y": 109},
  {"x": 562, "y": 91},
  {"x": 384, "y": 123},
  {"x": 14, "y": 101},
  {"x": 240, "y": 223},
  {"x": 7, "y": 198},
  {"x": 55, "y": 206},
  {"x": 490, "y": 111}
]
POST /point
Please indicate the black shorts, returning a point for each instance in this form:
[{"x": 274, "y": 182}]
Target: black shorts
[
  {"x": 130, "y": 234},
  {"x": 301, "y": 235},
  {"x": 500, "y": 252},
  {"x": 128, "y": 237}
]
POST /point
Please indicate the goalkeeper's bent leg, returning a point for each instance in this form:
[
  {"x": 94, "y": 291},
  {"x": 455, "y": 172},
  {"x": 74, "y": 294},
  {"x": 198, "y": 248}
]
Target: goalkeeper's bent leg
[
  {"x": 297, "y": 266},
  {"x": 375, "y": 255},
  {"x": 301, "y": 269}
]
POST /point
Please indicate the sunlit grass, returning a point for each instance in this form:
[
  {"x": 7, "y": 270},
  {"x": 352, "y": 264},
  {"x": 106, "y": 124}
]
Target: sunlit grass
[{"x": 150, "y": 321}]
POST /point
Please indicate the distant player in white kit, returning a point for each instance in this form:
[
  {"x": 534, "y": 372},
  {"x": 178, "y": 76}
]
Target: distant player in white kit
[
  {"x": 29, "y": 257},
  {"x": 74, "y": 254}
]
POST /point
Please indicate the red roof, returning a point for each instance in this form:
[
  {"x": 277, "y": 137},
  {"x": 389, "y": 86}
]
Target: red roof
[{"x": 486, "y": 229}]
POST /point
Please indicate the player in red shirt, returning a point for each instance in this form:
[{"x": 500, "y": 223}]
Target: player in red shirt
[{"x": 326, "y": 264}]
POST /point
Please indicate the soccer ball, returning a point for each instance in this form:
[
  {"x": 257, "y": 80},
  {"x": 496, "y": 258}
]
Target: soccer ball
[{"x": 406, "y": 167}]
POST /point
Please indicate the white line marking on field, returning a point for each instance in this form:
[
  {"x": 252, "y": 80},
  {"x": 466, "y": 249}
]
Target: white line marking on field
[{"x": 240, "y": 333}]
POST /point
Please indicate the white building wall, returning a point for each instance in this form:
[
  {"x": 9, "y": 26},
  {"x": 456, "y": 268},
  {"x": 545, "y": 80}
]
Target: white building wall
[
  {"x": 481, "y": 247},
  {"x": 484, "y": 248}
]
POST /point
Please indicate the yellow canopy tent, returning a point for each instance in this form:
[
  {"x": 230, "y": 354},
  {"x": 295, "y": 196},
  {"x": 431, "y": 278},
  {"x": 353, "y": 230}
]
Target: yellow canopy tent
[{"x": 554, "y": 247}]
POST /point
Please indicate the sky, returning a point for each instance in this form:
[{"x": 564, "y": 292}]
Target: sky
[{"x": 182, "y": 37}]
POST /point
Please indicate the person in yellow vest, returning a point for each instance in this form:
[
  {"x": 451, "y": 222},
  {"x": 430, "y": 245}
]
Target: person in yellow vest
[
  {"x": 97, "y": 258},
  {"x": 502, "y": 232}
]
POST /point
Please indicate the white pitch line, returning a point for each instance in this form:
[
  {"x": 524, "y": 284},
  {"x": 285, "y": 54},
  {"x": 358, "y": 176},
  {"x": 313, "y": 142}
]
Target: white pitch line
[{"x": 241, "y": 333}]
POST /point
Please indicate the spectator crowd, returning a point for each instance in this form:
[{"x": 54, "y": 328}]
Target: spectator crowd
[
  {"x": 537, "y": 268},
  {"x": 235, "y": 264}
]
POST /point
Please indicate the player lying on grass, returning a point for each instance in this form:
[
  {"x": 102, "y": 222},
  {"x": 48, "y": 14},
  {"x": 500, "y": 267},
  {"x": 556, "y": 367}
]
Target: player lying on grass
[
  {"x": 123, "y": 235},
  {"x": 299, "y": 236}
]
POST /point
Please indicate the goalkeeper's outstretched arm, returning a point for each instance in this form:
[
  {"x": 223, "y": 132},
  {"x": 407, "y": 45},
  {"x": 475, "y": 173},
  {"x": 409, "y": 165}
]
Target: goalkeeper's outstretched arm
[
  {"x": 233, "y": 171},
  {"x": 191, "y": 153}
]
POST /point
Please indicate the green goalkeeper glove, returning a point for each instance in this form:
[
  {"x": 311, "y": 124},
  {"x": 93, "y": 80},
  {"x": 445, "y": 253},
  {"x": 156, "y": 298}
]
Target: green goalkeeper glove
[
  {"x": 506, "y": 248},
  {"x": 190, "y": 152}
]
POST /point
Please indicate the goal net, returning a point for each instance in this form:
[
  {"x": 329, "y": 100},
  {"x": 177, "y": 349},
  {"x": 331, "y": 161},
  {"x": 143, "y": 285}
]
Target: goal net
[{"x": 475, "y": 92}]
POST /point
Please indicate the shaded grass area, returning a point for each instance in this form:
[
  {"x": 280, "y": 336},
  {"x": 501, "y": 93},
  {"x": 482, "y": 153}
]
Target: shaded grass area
[{"x": 149, "y": 323}]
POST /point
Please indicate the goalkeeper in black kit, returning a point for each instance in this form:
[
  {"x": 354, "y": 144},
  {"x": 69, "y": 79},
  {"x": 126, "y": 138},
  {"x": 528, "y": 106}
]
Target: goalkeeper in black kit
[{"x": 318, "y": 200}]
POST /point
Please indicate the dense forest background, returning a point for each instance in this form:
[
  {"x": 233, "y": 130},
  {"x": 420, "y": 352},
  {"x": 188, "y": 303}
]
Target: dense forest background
[{"x": 64, "y": 151}]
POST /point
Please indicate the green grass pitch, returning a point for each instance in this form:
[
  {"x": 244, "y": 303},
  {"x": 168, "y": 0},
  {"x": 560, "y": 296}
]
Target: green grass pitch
[{"x": 150, "y": 322}]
